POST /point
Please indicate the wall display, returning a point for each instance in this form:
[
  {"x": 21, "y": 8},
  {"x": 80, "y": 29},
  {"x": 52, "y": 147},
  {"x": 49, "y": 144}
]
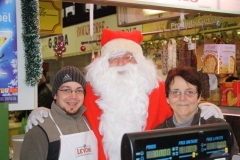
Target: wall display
[{"x": 8, "y": 52}]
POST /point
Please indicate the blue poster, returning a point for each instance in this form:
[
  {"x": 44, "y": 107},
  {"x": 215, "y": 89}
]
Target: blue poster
[{"x": 8, "y": 52}]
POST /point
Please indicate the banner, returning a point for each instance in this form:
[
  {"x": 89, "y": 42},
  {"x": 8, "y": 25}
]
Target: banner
[
  {"x": 76, "y": 34},
  {"x": 8, "y": 52}
]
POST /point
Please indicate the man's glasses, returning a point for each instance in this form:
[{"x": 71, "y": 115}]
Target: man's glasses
[
  {"x": 177, "y": 94},
  {"x": 125, "y": 58},
  {"x": 69, "y": 91}
]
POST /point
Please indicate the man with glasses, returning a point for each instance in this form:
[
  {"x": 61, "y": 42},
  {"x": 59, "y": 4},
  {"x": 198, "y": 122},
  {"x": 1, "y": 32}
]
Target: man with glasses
[
  {"x": 65, "y": 134},
  {"x": 183, "y": 92},
  {"x": 124, "y": 93}
]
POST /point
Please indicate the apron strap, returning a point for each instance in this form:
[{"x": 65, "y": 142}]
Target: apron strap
[
  {"x": 55, "y": 124},
  {"x": 84, "y": 118}
]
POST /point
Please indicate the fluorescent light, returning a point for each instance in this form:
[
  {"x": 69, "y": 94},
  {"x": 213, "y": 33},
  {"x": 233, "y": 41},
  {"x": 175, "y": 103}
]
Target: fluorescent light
[
  {"x": 148, "y": 12},
  {"x": 238, "y": 33}
]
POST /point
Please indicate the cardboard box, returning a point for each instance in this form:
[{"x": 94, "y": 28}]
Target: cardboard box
[
  {"x": 219, "y": 58},
  {"x": 230, "y": 94}
]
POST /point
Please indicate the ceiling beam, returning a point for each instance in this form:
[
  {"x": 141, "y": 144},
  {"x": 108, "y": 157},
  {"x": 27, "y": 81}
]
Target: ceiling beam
[{"x": 145, "y": 4}]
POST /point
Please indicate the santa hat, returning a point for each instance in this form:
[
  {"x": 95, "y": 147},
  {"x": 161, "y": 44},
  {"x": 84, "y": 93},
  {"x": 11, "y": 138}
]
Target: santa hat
[{"x": 120, "y": 40}]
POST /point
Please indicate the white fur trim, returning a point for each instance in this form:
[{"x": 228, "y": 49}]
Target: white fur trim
[{"x": 122, "y": 44}]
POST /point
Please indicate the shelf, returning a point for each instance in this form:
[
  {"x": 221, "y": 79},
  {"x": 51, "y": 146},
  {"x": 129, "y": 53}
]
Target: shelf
[{"x": 231, "y": 111}]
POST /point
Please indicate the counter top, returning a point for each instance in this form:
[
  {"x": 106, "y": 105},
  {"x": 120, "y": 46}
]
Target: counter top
[
  {"x": 231, "y": 111},
  {"x": 227, "y": 110}
]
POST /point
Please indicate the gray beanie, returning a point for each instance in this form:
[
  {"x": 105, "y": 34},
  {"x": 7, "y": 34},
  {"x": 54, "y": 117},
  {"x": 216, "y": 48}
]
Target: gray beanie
[{"x": 68, "y": 74}]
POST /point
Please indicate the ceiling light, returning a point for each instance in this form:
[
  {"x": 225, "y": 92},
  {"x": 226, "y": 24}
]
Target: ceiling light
[{"x": 149, "y": 12}]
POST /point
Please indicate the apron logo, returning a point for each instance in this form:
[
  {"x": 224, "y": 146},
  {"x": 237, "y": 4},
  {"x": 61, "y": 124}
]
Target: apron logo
[{"x": 82, "y": 151}]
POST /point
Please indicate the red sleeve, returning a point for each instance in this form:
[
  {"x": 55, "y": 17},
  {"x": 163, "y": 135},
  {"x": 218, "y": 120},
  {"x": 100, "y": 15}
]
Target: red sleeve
[
  {"x": 93, "y": 114},
  {"x": 158, "y": 110}
]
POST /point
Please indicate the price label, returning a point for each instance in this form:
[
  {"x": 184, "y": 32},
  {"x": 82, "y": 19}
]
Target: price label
[
  {"x": 191, "y": 46},
  {"x": 164, "y": 42},
  {"x": 186, "y": 39}
]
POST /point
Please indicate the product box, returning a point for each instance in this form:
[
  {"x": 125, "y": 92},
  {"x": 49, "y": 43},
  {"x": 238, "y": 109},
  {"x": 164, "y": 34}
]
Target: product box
[
  {"x": 230, "y": 94},
  {"x": 219, "y": 58}
]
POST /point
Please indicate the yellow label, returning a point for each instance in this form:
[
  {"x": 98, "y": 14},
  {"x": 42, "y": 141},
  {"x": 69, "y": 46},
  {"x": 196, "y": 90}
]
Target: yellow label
[
  {"x": 50, "y": 13},
  {"x": 228, "y": 84}
]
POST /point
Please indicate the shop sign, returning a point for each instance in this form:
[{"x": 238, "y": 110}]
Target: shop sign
[
  {"x": 53, "y": 41},
  {"x": 50, "y": 13},
  {"x": 8, "y": 53},
  {"x": 83, "y": 31},
  {"x": 217, "y": 7},
  {"x": 76, "y": 34},
  {"x": 226, "y": 23},
  {"x": 154, "y": 26}
]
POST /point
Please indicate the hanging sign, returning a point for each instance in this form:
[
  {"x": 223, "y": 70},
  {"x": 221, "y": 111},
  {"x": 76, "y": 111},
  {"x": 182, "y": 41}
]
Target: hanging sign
[
  {"x": 216, "y": 7},
  {"x": 8, "y": 52},
  {"x": 50, "y": 13}
]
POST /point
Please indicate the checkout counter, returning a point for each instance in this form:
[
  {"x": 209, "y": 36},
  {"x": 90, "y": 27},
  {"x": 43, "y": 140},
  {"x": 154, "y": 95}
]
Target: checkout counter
[{"x": 210, "y": 141}]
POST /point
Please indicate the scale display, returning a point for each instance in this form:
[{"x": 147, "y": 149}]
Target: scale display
[{"x": 209, "y": 141}]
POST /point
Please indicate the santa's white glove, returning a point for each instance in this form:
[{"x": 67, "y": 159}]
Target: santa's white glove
[
  {"x": 36, "y": 116},
  {"x": 209, "y": 110}
]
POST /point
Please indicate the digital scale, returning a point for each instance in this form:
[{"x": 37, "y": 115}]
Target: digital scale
[{"x": 210, "y": 141}]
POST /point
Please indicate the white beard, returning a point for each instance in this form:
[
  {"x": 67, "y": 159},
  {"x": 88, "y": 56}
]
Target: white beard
[{"x": 123, "y": 99}]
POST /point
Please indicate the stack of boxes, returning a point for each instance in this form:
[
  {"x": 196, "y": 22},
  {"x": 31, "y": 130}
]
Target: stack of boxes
[{"x": 221, "y": 59}]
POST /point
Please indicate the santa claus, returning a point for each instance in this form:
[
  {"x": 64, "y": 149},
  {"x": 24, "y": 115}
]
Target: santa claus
[{"x": 124, "y": 93}]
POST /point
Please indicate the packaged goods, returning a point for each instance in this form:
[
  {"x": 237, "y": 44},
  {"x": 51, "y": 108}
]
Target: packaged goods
[
  {"x": 231, "y": 94},
  {"x": 219, "y": 58}
]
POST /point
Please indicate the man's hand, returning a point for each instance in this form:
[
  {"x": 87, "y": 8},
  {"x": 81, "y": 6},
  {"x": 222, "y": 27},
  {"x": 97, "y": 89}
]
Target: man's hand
[
  {"x": 36, "y": 116},
  {"x": 209, "y": 110}
]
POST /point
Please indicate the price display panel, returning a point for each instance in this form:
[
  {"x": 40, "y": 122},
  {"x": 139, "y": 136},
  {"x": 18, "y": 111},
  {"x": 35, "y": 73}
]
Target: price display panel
[{"x": 209, "y": 141}]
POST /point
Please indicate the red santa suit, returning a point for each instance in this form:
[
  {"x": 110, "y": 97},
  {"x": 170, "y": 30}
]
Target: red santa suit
[{"x": 158, "y": 111}]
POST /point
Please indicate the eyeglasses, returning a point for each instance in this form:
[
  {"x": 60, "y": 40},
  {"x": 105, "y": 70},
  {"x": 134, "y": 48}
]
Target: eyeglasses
[
  {"x": 177, "y": 94},
  {"x": 69, "y": 91},
  {"x": 125, "y": 58}
]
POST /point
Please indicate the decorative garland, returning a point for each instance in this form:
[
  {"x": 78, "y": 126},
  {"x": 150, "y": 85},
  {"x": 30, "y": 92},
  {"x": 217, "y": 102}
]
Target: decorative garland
[
  {"x": 60, "y": 47},
  {"x": 31, "y": 41}
]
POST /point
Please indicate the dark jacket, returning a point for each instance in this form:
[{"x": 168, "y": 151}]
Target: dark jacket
[
  {"x": 196, "y": 119},
  {"x": 45, "y": 98}
]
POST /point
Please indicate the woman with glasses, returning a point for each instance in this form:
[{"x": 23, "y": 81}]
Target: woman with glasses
[{"x": 183, "y": 92}]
